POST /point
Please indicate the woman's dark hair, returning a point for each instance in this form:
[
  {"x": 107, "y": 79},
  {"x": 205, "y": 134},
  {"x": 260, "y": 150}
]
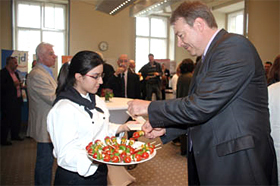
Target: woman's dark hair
[
  {"x": 274, "y": 72},
  {"x": 82, "y": 63},
  {"x": 186, "y": 66}
]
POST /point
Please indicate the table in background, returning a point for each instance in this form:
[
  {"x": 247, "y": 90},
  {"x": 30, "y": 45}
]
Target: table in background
[{"x": 117, "y": 107}]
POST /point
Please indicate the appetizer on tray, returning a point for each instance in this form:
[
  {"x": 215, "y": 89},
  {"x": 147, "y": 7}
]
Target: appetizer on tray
[{"x": 121, "y": 151}]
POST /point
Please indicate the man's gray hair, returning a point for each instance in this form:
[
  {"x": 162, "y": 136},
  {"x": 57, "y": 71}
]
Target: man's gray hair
[{"x": 41, "y": 49}]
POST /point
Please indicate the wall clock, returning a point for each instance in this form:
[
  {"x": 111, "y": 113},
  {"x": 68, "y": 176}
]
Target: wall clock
[{"x": 103, "y": 46}]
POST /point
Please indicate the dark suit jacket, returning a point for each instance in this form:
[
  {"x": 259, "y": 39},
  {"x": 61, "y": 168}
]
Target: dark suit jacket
[
  {"x": 8, "y": 91},
  {"x": 108, "y": 71},
  {"x": 227, "y": 109},
  {"x": 133, "y": 85}
]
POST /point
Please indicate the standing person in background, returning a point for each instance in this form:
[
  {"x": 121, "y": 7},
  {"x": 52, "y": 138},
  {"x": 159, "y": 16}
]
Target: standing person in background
[
  {"x": 274, "y": 72},
  {"x": 267, "y": 67},
  {"x": 174, "y": 81},
  {"x": 184, "y": 80},
  {"x": 151, "y": 73},
  {"x": 226, "y": 112},
  {"x": 274, "y": 110},
  {"x": 166, "y": 72},
  {"x": 78, "y": 117},
  {"x": 11, "y": 101},
  {"x": 41, "y": 94},
  {"x": 123, "y": 82},
  {"x": 132, "y": 65},
  {"x": 164, "y": 80}
]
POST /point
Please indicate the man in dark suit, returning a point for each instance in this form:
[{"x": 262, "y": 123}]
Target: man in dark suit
[
  {"x": 226, "y": 112},
  {"x": 11, "y": 101},
  {"x": 124, "y": 83}
]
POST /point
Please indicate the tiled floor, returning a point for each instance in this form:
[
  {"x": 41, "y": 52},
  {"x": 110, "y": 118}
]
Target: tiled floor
[{"x": 167, "y": 168}]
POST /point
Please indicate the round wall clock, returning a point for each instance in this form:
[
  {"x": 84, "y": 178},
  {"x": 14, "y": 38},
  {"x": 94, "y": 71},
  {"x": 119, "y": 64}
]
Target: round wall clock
[{"x": 103, "y": 46}]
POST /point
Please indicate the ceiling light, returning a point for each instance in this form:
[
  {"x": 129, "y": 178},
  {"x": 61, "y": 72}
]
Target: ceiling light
[
  {"x": 112, "y": 7},
  {"x": 151, "y": 8}
]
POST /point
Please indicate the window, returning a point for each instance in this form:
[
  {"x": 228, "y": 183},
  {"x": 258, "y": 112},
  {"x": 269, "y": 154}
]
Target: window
[
  {"x": 151, "y": 37},
  {"x": 235, "y": 22},
  {"x": 37, "y": 21}
]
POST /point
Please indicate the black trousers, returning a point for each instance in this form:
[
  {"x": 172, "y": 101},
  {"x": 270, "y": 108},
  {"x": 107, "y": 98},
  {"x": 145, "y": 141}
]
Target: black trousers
[
  {"x": 153, "y": 88},
  {"x": 65, "y": 177},
  {"x": 11, "y": 120},
  {"x": 163, "y": 94}
]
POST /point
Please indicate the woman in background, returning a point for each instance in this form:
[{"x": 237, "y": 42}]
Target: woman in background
[
  {"x": 274, "y": 73},
  {"x": 184, "y": 80},
  {"x": 78, "y": 117}
]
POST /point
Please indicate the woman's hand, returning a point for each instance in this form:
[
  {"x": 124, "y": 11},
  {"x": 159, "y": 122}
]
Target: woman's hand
[{"x": 125, "y": 128}]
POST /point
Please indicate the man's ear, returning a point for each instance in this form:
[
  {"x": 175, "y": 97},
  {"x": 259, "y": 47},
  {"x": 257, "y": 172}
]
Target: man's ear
[{"x": 199, "y": 24}]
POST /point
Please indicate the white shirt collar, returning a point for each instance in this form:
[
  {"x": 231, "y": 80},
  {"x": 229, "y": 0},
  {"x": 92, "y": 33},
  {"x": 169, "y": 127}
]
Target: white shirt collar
[
  {"x": 85, "y": 96},
  {"x": 214, "y": 35}
]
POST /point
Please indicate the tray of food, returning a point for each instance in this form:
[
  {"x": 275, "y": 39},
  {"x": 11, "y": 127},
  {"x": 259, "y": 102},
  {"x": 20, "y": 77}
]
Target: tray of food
[{"x": 121, "y": 151}]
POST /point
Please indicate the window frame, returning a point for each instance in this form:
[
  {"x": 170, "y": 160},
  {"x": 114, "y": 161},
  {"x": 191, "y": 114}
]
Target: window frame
[
  {"x": 42, "y": 3},
  {"x": 235, "y": 13},
  {"x": 149, "y": 37}
]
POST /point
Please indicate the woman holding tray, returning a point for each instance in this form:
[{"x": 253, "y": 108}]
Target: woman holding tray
[{"x": 77, "y": 117}]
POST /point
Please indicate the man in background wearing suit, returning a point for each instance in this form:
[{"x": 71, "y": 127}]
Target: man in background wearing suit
[
  {"x": 226, "y": 112},
  {"x": 41, "y": 88},
  {"x": 11, "y": 101},
  {"x": 124, "y": 82},
  {"x": 132, "y": 65}
]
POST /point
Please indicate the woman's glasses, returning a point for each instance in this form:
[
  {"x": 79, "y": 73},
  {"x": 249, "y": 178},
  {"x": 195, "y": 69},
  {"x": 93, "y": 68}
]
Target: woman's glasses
[{"x": 97, "y": 76}]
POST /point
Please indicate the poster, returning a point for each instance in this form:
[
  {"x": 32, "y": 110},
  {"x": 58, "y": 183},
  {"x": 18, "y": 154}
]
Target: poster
[{"x": 66, "y": 59}]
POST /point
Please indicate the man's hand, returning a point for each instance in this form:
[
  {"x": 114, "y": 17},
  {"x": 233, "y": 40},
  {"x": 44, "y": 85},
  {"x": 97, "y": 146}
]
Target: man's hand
[
  {"x": 152, "y": 133},
  {"x": 138, "y": 107},
  {"x": 156, "y": 74},
  {"x": 125, "y": 127},
  {"x": 119, "y": 71}
]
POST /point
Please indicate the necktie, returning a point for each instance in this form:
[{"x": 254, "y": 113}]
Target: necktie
[{"x": 122, "y": 85}]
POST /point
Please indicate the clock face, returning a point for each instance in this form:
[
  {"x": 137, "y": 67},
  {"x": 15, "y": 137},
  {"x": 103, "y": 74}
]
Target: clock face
[{"x": 103, "y": 46}]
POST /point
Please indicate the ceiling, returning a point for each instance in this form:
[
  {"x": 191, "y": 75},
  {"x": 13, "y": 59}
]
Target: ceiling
[{"x": 160, "y": 7}]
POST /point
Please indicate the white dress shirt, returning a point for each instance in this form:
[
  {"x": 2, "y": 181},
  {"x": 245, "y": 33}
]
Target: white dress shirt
[
  {"x": 274, "y": 110},
  {"x": 71, "y": 129}
]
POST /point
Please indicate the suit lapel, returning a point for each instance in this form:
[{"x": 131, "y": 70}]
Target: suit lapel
[
  {"x": 200, "y": 66},
  {"x": 214, "y": 43},
  {"x": 193, "y": 81}
]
